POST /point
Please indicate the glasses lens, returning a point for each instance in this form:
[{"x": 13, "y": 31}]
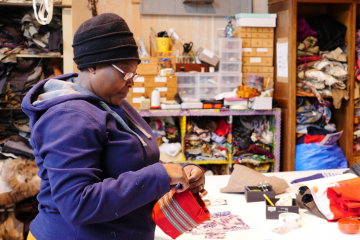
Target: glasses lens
[
  {"x": 135, "y": 77},
  {"x": 128, "y": 76}
]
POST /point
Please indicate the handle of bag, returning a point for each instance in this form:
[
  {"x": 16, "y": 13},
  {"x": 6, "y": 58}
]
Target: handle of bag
[{"x": 45, "y": 5}]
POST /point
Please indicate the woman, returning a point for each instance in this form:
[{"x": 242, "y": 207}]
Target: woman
[{"x": 97, "y": 158}]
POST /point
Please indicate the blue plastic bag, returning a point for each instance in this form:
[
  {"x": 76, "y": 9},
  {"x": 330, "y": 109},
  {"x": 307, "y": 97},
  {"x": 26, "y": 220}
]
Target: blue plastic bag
[{"x": 311, "y": 156}]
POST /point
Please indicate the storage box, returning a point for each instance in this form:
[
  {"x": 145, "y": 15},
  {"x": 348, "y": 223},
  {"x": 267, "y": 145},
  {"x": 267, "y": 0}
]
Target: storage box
[
  {"x": 226, "y": 66},
  {"x": 262, "y": 103},
  {"x": 170, "y": 81},
  {"x": 233, "y": 79},
  {"x": 273, "y": 212},
  {"x": 190, "y": 105},
  {"x": 208, "y": 56},
  {"x": 148, "y": 66},
  {"x": 188, "y": 67},
  {"x": 258, "y": 196},
  {"x": 258, "y": 61},
  {"x": 229, "y": 44},
  {"x": 255, "y": 20}
]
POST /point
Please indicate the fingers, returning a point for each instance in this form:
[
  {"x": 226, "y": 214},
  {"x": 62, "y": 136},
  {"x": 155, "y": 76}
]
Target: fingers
[{"x": 196, "y": 189}]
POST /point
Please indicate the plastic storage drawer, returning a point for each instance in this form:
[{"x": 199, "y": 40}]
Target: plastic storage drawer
[
  {"x": 208, "y": 93},
  {"x": 233, "y": 44},
  {"x": 186, "y": 79},
  {"x": 208, "y": 79},
  {"x": 231, "y": 79},
  {"x": 231, "y": 56},
  {"x": 188, "y": 92},
  {"x": 228, "y": 66}
]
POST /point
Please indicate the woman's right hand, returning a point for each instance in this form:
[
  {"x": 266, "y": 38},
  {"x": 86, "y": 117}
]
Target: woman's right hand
[{"x": 177, "y": 175}]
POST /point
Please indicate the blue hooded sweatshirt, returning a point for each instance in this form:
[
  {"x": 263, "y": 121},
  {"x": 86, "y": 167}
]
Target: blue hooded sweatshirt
[{"x": 98, "y": 164}]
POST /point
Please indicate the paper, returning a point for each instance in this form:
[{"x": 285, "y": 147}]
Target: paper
[
  {"x": 262, "y": 50},
  {"x": 255, "y": 60},
  {"x": 247, "y": 49},
  {"x": 162, "y": 89},
  {"x": 208, "y": 53},
  {"x": 140, "y": 79},
  {"x": 160, "y": 79},
  {"x": 138, "y": 90},
  {"x": 282, "y": 59},
  {"x": 330, "y": 139},
  {"x": 136, "y": 100}
]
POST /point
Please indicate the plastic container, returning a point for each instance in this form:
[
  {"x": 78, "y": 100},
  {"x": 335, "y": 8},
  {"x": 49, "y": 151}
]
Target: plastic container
[
  {"x": 155, "y": 98},
  {"x": 349, "y": 226},
  {"x": 228, "y": 44},
  {"x": 163, "y": 44},
  {"x": 231, "y": 79},
  {"x": 188, "y": 92},
  {"x": 208, "y": 79},
  {"x": 228, "y": 66},
  {"x": 208, "y": 93},
  {"x": 186, "y": 79},
  {"x": 230, "y": 55}
]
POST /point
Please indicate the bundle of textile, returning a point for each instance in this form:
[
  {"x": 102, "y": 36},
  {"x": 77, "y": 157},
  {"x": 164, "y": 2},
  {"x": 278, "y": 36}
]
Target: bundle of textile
[
  {"x": 11, "y": 36},
  {"x": 19, "y": 180},
  {"x": 206, "y": 139},
  {"x": 322, "y": 65},
  {"x": 356, "y": 144}
]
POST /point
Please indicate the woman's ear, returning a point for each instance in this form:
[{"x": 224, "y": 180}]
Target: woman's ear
[{"x": 92, "y": 70}]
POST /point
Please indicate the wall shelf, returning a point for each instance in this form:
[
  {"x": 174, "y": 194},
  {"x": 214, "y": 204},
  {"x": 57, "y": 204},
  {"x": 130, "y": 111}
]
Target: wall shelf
[{"x": 24, "y": 4}]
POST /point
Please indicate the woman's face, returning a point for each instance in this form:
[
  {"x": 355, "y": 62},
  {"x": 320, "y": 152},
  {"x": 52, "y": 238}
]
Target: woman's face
[{"x": 109, "y": 84}]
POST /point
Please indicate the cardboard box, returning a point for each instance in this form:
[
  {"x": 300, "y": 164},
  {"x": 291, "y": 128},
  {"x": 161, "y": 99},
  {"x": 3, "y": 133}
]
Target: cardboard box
[
  {"x": 207, "y": 56},
  {"x": 255, "y": 20},
  {"x": 273, "y": 212},
  {"x": 258, "y": 196},
  {"x": 170, "y": 81},
  {"x": 260, "y": 103},
  {"x": 145, "y": 81},
  {"x": 148, "y": 66},
  {"x": 257, "y": 61}
]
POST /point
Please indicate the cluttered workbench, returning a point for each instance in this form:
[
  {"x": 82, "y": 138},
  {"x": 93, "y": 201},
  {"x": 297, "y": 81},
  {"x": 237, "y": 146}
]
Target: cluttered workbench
[{"x": 253, "y": 214}]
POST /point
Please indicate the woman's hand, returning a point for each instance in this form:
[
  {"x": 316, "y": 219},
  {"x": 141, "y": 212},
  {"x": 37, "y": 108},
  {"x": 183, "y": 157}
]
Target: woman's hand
[
  {"x": 177, "y": 175},
  {"x": 196, "y": 178}
]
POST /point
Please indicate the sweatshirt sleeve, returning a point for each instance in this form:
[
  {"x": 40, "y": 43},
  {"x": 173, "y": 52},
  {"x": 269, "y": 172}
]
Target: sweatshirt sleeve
[{"x": 69, "y": 143}]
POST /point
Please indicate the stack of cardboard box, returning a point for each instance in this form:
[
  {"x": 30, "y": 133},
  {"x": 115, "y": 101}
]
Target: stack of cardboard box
[{"x": 258, "y": 51}]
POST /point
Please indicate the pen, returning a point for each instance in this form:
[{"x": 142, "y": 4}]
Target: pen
[
  {"x": 268, "y": 200},
  {"x": 248, "y": 188},
  {"x": 177, "y": 186}
]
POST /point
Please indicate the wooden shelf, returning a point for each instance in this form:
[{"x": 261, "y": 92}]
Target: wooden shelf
[
  {"x": 24, "y": 4},
  {"x": 37, "y": 56},
  {"x": 323, "y": 96}
]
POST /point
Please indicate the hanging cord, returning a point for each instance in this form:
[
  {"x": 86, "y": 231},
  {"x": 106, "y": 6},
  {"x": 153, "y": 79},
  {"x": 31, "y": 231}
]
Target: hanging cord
[{"x": 45, "y": 5}]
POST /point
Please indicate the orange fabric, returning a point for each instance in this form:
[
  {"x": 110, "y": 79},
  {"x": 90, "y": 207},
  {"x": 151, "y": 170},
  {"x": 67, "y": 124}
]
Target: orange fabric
[
  {"x": 176, "y": 213},
  {"x": 345, "y": 199},
  {"x": 30, "y": 237}
]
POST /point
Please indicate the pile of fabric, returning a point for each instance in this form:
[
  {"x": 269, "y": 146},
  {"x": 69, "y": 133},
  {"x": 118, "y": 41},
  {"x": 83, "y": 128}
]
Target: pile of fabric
[
  {"x": 356, "y": 146},
  {"x": 322, "y": 59},
  {"x": 21, "y": 33},
  {"x": 253, "y": 141},
  {"x": 207, "y": 139}
]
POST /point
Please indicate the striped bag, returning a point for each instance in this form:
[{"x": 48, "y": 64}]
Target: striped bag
[{"x": 176, "y": 213}]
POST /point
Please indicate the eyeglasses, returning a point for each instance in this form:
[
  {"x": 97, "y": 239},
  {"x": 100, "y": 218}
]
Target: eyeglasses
[{"x": 127, "y": 76}]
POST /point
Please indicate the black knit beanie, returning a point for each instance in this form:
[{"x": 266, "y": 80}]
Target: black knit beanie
[{"x": 102, "y": 39}]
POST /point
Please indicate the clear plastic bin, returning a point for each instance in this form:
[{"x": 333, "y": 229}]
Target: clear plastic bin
[
  {"x": 165, "y": 54},
  {"x": 231, "y": 56},
  {"x": 226, "y": 44},
  {"x": 227, "y": 66},
  {"x": 228, "y": 88},
  {"x": 208, "y": 79},
  {"x": 207, "y": 93},
  {"x": 186, "y": 79},
  {"x": 188, "y": 92},
  {"x": 231, "y": 79}
]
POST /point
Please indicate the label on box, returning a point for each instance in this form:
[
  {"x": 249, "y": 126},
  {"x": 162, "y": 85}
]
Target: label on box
[
  {"x": 271, "y": 209},
  {"x": 255, "y": 60},
  {"x": 138, "y": 90},
  {"x": 262, "y": 50},
  {"x": 140, "y": 79},
  {"x": 247, "y": 49},
  {"x": 160, "y": 79},
  {"x": 162, "y": 89},
  {"x": 136, "y": 100},
  {"x": 208, "y": 53}
]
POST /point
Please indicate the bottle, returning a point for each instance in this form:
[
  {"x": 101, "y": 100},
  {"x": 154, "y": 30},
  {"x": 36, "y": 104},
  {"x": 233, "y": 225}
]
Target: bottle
[{"x": 155, "y": 99}]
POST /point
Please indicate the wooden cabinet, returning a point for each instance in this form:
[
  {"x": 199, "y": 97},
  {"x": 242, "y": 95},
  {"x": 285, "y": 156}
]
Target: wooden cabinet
[{"x": 287, "y": 12}]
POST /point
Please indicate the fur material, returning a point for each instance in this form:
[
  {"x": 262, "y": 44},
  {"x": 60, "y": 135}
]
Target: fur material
[{"x": 21, "y": 176}]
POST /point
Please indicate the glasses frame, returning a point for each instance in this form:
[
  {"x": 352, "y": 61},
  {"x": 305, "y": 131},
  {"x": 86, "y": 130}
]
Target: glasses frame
[{"x": 127, "y": 75}]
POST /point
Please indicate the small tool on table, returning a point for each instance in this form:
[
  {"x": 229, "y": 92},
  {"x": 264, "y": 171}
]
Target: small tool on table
[{"x": 268, "y": 199}]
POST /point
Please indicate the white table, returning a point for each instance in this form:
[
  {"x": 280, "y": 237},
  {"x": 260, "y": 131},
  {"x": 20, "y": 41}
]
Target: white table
[{"x": 253, "y": 214}]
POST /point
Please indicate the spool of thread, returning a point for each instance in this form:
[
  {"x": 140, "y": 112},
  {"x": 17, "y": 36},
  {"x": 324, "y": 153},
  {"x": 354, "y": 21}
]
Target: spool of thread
[
  {"x": 211, "y": 69},
  {"x": 202, "y": 69},
  {"x": 168, "y": 64},
  {"x": 155, "y": 98}
]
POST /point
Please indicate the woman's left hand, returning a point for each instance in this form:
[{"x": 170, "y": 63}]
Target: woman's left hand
[{"x": 196, "y": 178}]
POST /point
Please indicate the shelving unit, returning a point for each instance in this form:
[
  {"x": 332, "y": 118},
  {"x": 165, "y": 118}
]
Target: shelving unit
[
  {"x": 21, "y": 3},
  {"x": 276, "y": 113},
  {"x": 37, "y": 56},
  {"x": 288, "y": 12}
]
